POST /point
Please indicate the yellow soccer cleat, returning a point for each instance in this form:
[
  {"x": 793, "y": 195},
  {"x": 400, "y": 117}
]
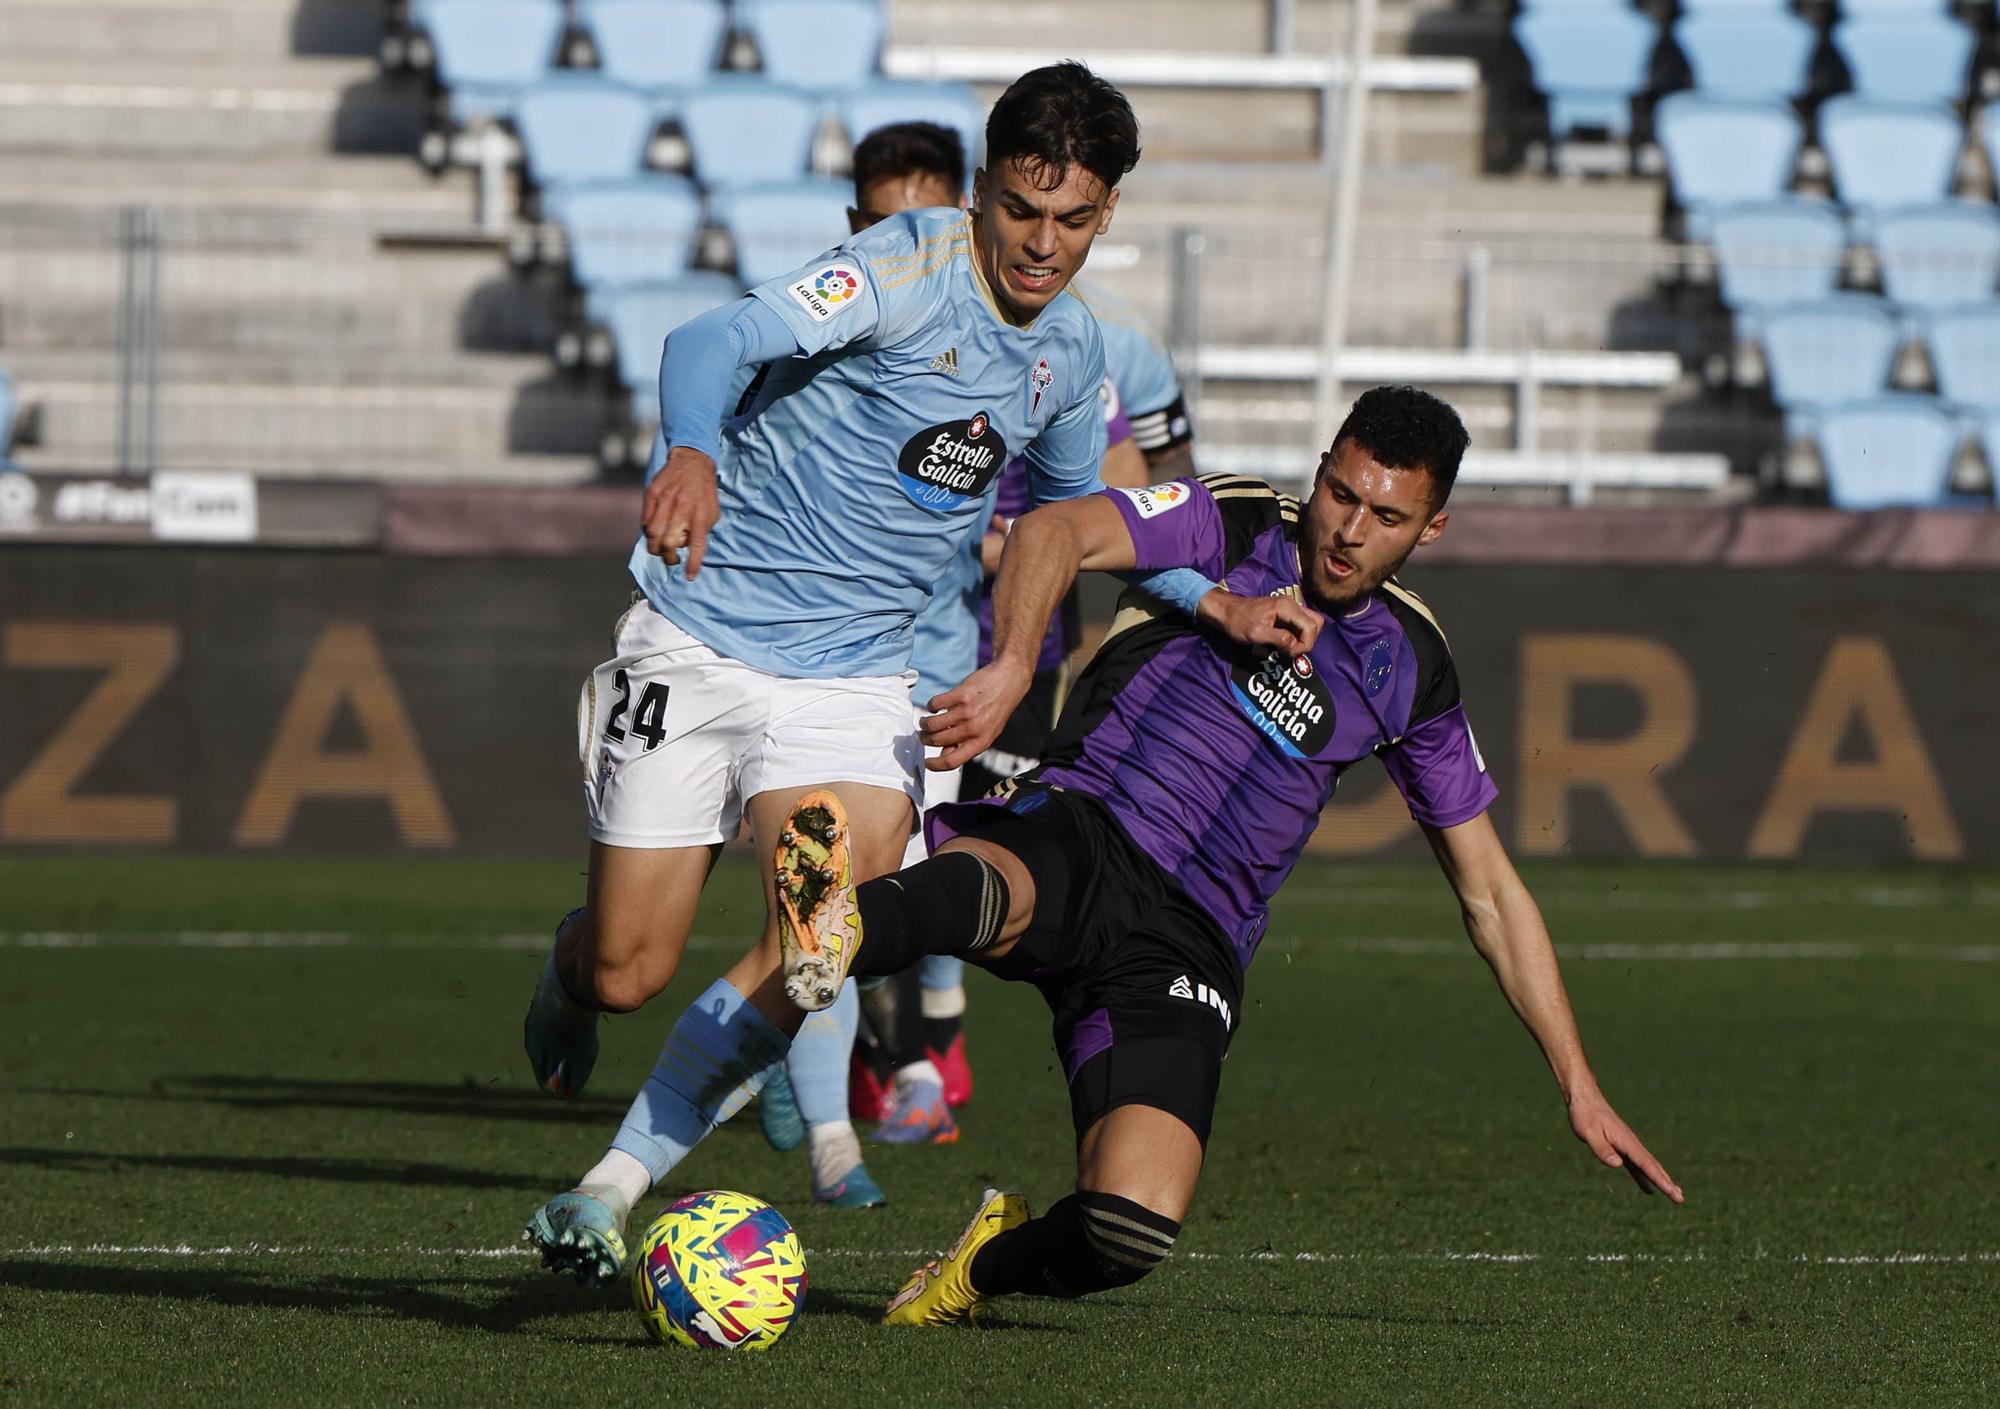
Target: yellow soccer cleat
[
  {"x": 819, "y": 921},
  {"x": 940, "y": 1293}
]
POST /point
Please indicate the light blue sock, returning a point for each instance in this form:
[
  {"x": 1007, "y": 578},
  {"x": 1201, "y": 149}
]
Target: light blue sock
[
  {"x": 818, "y": 1060},
  {"x": 941, "y": 971},
  {"x": 712, "y": 1064}
]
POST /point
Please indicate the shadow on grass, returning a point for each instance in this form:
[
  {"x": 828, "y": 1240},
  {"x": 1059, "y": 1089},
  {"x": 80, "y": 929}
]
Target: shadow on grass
[
  {"x": 494, "y": 1302},
  {"x": 460, "y": 1098},
  {"x": 407, "y": 1173}
]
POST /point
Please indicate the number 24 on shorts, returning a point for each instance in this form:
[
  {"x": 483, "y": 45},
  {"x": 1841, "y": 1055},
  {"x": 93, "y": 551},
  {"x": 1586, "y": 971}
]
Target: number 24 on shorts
[{"x": 649, "y": 720}]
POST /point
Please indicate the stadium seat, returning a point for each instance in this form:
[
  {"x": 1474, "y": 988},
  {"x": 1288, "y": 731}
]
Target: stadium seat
[
  {"x": 746, "y": 132},
  {"x": 1731, "y": 6},
  {"x": 489, "y": 50},
  {"x": 1889, "y": 154},
  {"x": 1748, "y": 53},
  {"x": 778, "y": 228},
  {"x": 952, "y": 105},
  {"x": 657, "y": 45},
  {"x": 1935, "y": 256},
  {"x": 1908, "y": 55},
  {"x": 10, "y": 404},
  {"x": 1839, "y": 348},
  {"x": 1774, "y": 252},
  {"x": 639, "y": 317},
  {"x": 1724, "y": 151},
  {"x": 640, "y": 230},
  {"x": 1590, "y": 62},
  {"x": 1964, "y": 346},
  {"x": 819, "y": 46},
  {"x": 578, "y": 127},
  {"x": 1894, "y": 451}
]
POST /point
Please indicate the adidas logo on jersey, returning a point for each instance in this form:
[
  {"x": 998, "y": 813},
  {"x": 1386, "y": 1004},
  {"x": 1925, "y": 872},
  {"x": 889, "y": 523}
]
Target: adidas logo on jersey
[
  {"x": 946, "y": 362},
  {"x": 1202, "y": 993}
]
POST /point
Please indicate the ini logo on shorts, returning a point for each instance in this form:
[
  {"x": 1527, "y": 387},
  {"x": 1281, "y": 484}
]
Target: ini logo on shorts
[
  {"x": 1155, "y": 499},
  {"x": 832, "y": 290},
  {"x": 1288, "y": 700},
  {"x": 945, "y": 466}
]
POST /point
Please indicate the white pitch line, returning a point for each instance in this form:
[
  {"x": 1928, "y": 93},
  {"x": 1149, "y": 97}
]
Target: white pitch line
[
  {"x": 1505, "y": 1259},
  {"x": 1608, "y": 951},
  {"x": 1733, "y": 898}
]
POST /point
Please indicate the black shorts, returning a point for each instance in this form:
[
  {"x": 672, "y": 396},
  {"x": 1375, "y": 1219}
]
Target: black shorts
[
  {"x": 1145, "y": 989},
  {"x": 1020, "y": 744}
]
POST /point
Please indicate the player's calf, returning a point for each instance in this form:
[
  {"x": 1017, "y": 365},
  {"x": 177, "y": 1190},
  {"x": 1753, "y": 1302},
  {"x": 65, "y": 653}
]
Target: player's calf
[{"x": 1089, "y": 1242}]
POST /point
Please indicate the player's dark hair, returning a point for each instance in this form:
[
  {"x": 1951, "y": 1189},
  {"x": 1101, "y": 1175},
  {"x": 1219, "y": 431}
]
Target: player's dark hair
[
  {"x": 1408, "y": 429},
  {"x": 1058, "y": 115},
  {"x": 906, "y": 148}
]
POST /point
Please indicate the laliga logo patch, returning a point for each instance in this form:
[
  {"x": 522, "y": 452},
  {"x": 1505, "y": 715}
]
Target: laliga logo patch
[
  {"x": 1375, "y": 674},
  {"x": 946, "y": 466},
  {"x": 1155, "y": 499},
  {"x": 1041, "y": 379},
  {"x": 828, "y": 292},
  {"x": 1287, "y": 700}
]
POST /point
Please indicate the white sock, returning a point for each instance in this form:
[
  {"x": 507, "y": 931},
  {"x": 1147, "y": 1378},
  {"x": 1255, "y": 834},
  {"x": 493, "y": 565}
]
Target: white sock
[
  {"x": 940, "y": 1003},
  {"x": 836, "y": 1149},
  {"x": 918, "y": 1072},
  {"x": 619, "y": 1180}
]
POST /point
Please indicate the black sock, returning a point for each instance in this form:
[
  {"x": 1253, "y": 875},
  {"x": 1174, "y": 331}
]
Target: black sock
[
  {"x": 951, "y": 904},
  {"x": 894, "y": 1009},
  {"x": 940, "y": 1033},
  {"x": 1088, "y": 1242}
]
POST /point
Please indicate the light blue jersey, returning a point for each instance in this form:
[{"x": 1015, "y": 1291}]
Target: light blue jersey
[
  {"x": 865, "y": 463},
  {"x": 1139, "y": 366},
  {"x": 947, "y": 640}
]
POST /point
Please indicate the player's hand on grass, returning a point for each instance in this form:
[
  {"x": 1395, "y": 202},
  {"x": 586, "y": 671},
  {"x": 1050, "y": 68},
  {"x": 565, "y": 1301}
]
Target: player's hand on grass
[
  {"x": 1280, "y": 622},
  {"x": 968, "y": 717},
  {"x": 681, "y": 507},
  {"x": 1612, "y": 1141}
]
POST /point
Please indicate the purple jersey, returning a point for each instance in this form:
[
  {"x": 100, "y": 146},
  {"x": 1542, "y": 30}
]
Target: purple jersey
[
  {"x": 1217, "y": 762},
  {"x": 1013, "y": 500}
]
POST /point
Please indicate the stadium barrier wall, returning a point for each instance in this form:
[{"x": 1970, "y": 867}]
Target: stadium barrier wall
[{"x": 1698, "y": 683}]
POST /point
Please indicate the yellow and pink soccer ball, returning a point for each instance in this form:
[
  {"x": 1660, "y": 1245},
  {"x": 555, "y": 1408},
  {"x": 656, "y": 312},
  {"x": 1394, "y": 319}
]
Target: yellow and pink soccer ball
[{"x": 719, "y": 1271}]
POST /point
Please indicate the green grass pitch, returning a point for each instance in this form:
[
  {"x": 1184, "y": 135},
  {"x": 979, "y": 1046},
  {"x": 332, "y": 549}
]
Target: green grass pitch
[{"x": 268, "y": 1137}]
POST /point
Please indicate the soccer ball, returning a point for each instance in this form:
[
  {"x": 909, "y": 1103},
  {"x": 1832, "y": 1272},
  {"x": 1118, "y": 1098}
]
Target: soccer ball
[{"x": 719, "y": 1271}]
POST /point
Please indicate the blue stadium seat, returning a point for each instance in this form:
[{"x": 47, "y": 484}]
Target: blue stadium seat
[
  {"x": 1909, "y": 56},
  {"x": 1774, "y": 252},
  {"x": 658, "y": 45},
  {"x": 820, "y": 46},
  {"x": 639, "y": 317},
  {"x": 1748, "y": 53},
  {"x": 1887, "y": 452},
  {"x": 1589, "y": 62},
  {"x": 1964, "y": 345},
  {"x": 581, "y": 127},
  {"x": 1725, "y": 151},
  {"x": 778, "y": 228},
  {"x": 1731, "y": 6},
  {"x": 640, "y": 230},
  {"x": 746, "y": 132},
  {"x": 489, "y": 50},
  {"x": 1889, "y": 154},
  {"x": 1935, "y": 256},
  {"x": 1839, "y": 348},
  {"x": 888, "y": 100},
  {"x": 1895, "y": 7}
]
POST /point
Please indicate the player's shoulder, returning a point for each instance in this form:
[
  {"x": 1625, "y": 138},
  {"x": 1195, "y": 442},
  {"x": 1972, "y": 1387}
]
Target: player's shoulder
[
  {"x": 1246, "y": 496},
  {"x": 1437, "y": 676},
  {"x": 911, "y": 246}
]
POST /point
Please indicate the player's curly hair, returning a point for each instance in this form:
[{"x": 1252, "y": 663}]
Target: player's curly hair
[
  {"x": 902, "y": 148},
  {"x": 1059, "y": 114},
  {"x": 1405, "y": 428}
]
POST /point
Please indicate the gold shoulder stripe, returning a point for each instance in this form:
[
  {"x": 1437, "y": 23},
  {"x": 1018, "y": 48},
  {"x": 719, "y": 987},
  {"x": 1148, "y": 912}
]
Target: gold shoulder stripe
[
  {"x": 1135, "y": 609},
  {"x": 1416, "y": 604},
  {"x": 943, "y": 258},
  {"x": 1246, "y": 491},
  {"x": 950, "y": 232},
  {"x": 1288, "y": 508},
  {"x": 1219, "y": 479}
]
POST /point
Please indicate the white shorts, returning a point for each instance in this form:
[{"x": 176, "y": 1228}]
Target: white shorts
[
  {"x": 938, "y": 787},
  {"x": 674, "y": 738}
]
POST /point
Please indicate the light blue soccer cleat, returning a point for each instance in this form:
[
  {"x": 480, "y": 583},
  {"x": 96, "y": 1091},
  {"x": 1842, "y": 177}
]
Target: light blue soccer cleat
[
  {"x": 577, "y": 1233},
  {"x": 561, "y": 1038},
  {"x": 854, "y": 1189},
  {"x": 778, "y": 1111},
  {"x": 917, "y": 1115}
]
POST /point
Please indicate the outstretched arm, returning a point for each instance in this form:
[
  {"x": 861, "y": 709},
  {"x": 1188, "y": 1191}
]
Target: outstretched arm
[
  {"x": 1506, "y": 927},
  {"x": 697, "y": 369}
]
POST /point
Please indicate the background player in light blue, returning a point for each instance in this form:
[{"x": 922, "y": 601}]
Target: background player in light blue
[{"x": 767, "y": 656}]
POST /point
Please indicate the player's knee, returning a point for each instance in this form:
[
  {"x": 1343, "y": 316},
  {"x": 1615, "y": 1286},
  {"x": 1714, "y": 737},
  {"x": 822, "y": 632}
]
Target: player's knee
[
  {"x": 1126, "y": 1240},
  {"x": 628, "y": 984}
]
